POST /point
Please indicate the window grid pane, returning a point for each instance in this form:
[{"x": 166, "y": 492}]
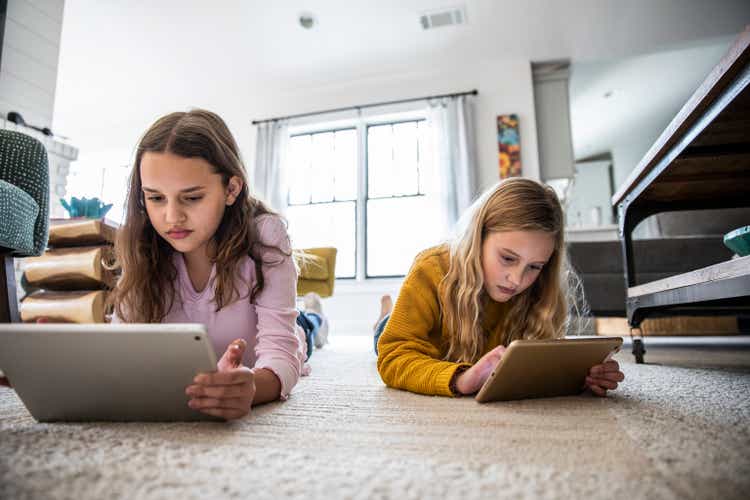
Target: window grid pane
[
  {"x": 321, "y": 183},
  {"x": 395, "y": 159},
  {"x": 405, "y": 146},
  {"x": 323, "y": 193},
  {"x": 323, "y": 167},
  {"x": 424, "y": 154},
  {"x": 327, "y": 225},
  {"x": 299, "y": 169},
  {"x": 397, "y": 230},
  {"x": 345, "y": 165},
  {"x": 399, "y": 170}
]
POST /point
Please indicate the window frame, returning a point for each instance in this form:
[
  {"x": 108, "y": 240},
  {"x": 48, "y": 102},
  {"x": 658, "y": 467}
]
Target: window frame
[
  {"x": 361, "y": 124},
  {"x": 293, "y": 133},
  {"x": 366, "y": 192}
]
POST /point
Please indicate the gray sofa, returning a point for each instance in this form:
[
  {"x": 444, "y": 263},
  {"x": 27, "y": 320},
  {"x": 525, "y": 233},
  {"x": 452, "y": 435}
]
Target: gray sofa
[{"x": 599, "y": 265}]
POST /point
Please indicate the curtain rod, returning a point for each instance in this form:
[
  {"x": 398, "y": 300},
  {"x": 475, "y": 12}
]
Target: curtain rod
[{"x": 362, "y": 106}]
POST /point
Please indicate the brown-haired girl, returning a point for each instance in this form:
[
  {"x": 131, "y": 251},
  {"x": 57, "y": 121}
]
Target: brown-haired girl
[
  {"x": 503, "y": 278},
  {"x": 196, "y": 247}
]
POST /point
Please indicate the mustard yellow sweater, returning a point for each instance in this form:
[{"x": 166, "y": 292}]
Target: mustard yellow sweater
[{"x": 412, "y": 346}]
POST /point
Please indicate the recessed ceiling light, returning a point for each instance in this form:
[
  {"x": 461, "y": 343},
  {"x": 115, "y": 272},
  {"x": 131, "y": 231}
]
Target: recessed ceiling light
[{"x": 307, "y": 20}]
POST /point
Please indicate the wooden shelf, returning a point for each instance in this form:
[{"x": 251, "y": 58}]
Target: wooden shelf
[
  {"x": 731, "y": 128},
  {"x": 701, "y": 161},
  {"x": 723, "y": 271}
]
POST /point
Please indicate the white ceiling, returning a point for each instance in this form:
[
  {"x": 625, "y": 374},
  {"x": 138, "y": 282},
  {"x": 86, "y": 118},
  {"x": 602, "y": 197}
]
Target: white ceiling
[
  {"x": 615, "y": 97},
  {"x": 120, "y": 60},
  {"x": 356, "y": 37}
]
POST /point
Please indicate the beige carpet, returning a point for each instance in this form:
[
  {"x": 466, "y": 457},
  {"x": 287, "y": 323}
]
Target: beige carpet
[{"x": 672, "y": 431}]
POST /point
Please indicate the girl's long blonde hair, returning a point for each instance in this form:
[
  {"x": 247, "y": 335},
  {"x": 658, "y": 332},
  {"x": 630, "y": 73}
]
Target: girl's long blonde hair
[
  {"x": 541, "y": 311},
  {"x": 146, "y": 292}
]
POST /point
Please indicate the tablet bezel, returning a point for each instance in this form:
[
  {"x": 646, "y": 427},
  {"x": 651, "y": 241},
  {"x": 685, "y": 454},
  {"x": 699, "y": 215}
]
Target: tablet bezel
[
  {"x": 546, "y": 368},
  {"x": 106, "y": 372}
]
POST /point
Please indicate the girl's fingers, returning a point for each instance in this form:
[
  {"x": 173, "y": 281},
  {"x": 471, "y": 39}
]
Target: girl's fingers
[
  {"x": 612, "y": 366},
  {"x": 495, "y": 355},
  {"x": 236, "y": 376},
  {"x": 237, "y": 349},
  {"x": 602, "y": 382},
  {"x": 608, "y": 367},
  {"x": 232, "y": 357},
  {"x": 219, "y": 391},
  {"x": 598, "y": 390},
  {"x": 604, "y": 377},
  {"x": 219, "y": 403},
  {"x": 615, "y": 376}
]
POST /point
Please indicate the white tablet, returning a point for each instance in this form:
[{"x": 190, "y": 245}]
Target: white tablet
[{"x": 103, "y": 372}]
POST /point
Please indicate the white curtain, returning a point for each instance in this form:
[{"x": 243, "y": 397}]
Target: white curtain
[
  {"x": 269, "y": 176},
  {"x": 455, "y": 186}
]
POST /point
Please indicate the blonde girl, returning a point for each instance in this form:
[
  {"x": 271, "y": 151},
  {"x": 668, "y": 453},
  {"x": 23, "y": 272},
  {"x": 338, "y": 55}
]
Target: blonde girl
[{"x": 502, "y": 278}]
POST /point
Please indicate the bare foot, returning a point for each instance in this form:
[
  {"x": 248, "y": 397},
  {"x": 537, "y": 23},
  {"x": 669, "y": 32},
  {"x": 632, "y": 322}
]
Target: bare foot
[{"x": 386, "y": 306}]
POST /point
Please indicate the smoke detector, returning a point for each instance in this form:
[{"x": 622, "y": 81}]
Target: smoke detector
[
  {"x": 307, "y": 20},
  {"x": 443, "y": 17}
]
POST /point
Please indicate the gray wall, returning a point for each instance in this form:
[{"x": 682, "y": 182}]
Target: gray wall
[
  {"x": 590, "y": 192},
  {"x": 31, "y": 46}
]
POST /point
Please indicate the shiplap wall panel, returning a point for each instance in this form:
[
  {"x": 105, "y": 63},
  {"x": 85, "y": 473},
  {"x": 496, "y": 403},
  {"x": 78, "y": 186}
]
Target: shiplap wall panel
[
  {"x": 34, "y": 45},
  {"x": 53, "y": 8},
  {"x": 31, "y": 47},
  {"x": 28, "y": 70},
  {"x": 20, "y": 93},
  {"x": 35, "y": 20}
]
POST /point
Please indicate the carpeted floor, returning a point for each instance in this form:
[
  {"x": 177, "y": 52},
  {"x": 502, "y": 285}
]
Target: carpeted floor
[{"x": 679, "y": 429}]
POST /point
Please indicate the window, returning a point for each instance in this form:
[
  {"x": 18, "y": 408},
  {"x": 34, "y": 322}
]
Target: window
[
  {"x": 323, "y": 194},
  {"x": 364, "y": 189}
]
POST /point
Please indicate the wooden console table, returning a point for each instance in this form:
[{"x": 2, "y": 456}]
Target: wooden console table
[{"x": 701, "y": 161}]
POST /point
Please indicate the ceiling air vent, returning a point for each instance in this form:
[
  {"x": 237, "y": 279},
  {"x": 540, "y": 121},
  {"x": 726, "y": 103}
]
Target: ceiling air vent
[{"x": 443, "y": 17}]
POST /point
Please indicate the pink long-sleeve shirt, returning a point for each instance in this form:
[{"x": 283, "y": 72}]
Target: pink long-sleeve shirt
[{"x": 268, "y": 325}]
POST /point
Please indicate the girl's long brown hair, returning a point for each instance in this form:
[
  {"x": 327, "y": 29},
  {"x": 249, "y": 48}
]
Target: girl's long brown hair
[
  {"x": 146, "y": 291},
  {"x": 541, "y": 311}
]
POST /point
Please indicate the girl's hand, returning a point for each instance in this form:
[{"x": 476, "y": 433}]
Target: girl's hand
[
  {"x": 472, "y": 379},
  {"x": 604, "y": 377},
  {"x": 228, "y": 392}
]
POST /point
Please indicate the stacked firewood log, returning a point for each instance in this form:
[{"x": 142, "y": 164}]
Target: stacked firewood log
[{"x": 70, "y": 281}]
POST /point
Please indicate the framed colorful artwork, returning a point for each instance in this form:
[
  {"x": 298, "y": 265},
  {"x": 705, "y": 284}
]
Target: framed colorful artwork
[{"x": 509, "y": 146}]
